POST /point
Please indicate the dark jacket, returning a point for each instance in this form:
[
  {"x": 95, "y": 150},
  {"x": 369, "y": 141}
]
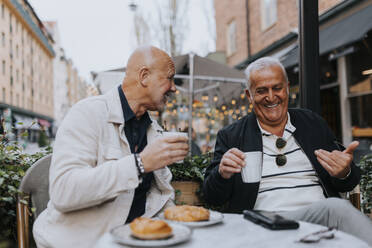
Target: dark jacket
[{"x": 312, "y": 133}]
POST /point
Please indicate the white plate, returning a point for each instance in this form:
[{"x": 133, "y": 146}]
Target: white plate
[
  {"x": 214, "y": 218},
  {"x": 122, "y": 235}
]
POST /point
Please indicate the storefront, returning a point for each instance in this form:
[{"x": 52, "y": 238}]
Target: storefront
[
  {"x": 345, "y": 77},
  {"x": 17, "y": 121}
]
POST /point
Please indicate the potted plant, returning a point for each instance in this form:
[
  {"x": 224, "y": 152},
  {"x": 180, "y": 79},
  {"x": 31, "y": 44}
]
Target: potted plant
[
  {"x": 188, "y": 177},
  {"x": 365, "y": 165}
]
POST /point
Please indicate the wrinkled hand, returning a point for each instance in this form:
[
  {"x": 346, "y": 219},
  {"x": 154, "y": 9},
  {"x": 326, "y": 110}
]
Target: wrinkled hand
[
  {"x": 164, "y": 151},
  {"x": 337, "y": 163},
  {"x": 232, "y": 162}
]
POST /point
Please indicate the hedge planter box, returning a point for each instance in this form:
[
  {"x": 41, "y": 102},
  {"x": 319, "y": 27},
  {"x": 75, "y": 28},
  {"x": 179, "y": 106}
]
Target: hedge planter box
[{"x": 186, "y": 192}]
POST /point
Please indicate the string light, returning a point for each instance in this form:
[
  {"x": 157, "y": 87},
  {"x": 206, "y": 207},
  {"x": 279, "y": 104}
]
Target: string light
[{"x": 233, "y": 101}]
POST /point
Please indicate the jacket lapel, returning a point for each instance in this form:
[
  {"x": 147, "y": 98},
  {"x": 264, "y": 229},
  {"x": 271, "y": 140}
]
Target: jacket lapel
[{"x": 251, "y": 135}]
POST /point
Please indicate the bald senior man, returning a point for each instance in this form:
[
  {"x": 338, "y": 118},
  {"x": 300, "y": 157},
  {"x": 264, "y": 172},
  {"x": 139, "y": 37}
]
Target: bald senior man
[{"x": 110, "y": 159}]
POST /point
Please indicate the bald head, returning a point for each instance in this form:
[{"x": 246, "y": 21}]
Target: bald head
[
  {"x": 146, "y": 57},
  {"x": 149, "y": 78}
]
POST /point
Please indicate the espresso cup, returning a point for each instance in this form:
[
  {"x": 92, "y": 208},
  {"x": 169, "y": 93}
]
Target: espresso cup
[{"x": 251, "y": 172}]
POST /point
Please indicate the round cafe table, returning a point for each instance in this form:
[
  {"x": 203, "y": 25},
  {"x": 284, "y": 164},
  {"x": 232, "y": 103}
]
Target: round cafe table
[{"x": 235, "y": 231}]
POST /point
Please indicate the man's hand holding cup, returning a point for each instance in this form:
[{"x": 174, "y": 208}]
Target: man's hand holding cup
[{"x": 169, "y": 148}]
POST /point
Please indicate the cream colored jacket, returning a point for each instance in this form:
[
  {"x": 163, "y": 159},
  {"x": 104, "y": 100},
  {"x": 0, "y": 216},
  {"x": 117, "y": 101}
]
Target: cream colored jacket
[{"x": 93, "y": 176}]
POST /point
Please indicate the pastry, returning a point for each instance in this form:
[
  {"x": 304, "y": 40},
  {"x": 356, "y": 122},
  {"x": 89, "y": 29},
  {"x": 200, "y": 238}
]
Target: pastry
[
  {"x": 149, "y": 229},
  {"x": 186, "y": 213}
]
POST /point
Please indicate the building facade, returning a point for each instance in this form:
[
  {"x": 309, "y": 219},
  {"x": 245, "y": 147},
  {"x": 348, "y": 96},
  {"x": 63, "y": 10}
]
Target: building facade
[
  {"x": 69, "y": 87},
  {"x": 255, "y": 28},
  {"x": 26, "y": 61}
]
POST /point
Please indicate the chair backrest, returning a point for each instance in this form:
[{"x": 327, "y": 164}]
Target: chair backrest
[{"x": 36, "y": 184}]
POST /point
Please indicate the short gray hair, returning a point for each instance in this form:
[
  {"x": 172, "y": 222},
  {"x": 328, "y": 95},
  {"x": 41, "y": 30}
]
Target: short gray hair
[{"x": 260, "y": 64}]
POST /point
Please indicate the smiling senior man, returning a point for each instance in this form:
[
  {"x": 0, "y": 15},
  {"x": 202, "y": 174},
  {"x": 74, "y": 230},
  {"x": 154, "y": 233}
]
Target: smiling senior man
[
  {"x": 303, "y": 168},
  {"x": 109, "y": 158}
]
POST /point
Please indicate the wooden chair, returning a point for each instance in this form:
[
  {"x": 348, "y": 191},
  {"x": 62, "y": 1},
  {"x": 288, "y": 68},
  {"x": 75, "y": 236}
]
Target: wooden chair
[
  {"x": 34, "y": 187},
  {"x": 354, "y": 197}
]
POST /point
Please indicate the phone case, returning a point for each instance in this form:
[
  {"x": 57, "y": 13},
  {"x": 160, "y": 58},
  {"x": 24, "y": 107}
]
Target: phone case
[{"x": 270, "y": 221}]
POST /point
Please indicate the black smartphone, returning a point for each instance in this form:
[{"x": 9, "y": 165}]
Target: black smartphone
[{"x": 270, "y": 220}]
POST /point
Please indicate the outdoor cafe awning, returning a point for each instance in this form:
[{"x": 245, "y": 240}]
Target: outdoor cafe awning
[
  {"x": 206, "y": 67},
  {"x": 341, "y": 34}
]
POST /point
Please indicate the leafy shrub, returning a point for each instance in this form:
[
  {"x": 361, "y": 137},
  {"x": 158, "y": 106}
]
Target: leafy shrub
[
  {"x": 191, "y": 169},
  {"x": 43, "y": 139},
  {"x": 13, "y": 165},
  {"x": 365, "y": 165}
]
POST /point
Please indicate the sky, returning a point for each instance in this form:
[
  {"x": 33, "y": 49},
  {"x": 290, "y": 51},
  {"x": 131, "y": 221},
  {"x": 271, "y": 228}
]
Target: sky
[{"x": 98, "y": 35}]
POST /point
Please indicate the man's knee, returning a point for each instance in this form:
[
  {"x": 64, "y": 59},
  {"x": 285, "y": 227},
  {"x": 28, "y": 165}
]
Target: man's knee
[
  {"x": 337, "y": 206},
  {"x": 334, "y": 202}
]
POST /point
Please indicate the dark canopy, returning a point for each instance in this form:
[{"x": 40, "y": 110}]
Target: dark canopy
[{"x": 343, "y": 33}]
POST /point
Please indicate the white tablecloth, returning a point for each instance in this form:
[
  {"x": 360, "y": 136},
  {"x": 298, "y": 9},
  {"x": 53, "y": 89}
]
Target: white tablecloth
[{"x": 237, "y": 232}]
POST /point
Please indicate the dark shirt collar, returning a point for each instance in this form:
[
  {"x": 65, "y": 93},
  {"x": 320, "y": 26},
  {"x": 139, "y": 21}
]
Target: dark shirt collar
[{"x": 127, "y": 111}]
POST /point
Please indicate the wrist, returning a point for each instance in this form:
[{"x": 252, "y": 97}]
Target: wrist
[
  {"x": 347, "y": 175},
  {"x": 139, "y": 165}
]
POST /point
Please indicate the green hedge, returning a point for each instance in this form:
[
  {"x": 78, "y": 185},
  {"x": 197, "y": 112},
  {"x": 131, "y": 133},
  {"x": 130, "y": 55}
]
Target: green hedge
[
  {"x": 366, "y": 183},
  {"x": 13, "y": 165}
]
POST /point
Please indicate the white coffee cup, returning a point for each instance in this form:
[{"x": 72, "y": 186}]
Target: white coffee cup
[
  {"x": 177, "y": 134},
  {"x": 174, "y": 133},
  {"x": 251, "y": 172}
]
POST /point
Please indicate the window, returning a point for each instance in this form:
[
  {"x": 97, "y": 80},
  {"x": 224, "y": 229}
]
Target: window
[
  {"x": 11, "y": 75},
  {"x": 2, "y": 11},
  {"x": 268, "y": 13},
  {"x": 11, "y": 97},
  {"x": 4, "y": 95},
  {"x": 17, "y": 100},
  {"x": 10, "y": 23},
  {"x": 3, "y": 39},
  {"x": 3, "y": 67},
  {"x": 231, "y": 38},
  {"x": 16, "y": 51}
]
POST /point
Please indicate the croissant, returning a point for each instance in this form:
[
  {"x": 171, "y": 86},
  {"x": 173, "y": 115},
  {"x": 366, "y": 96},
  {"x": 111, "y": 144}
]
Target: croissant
[
  {"x": 186, "y": 213},
  {"x": 149, "y": 229}
]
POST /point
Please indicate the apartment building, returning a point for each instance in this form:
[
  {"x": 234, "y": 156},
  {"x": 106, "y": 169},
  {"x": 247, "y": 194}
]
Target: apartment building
[
  {"x": 26, "y": 67},
  {"x": 252, "y": 29},
  {"x": 69, "y": 87}
]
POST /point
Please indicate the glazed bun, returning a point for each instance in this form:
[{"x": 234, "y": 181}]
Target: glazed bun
[
  {"x": 186, "y": 213},
  {"x": 149, "y": 229}
]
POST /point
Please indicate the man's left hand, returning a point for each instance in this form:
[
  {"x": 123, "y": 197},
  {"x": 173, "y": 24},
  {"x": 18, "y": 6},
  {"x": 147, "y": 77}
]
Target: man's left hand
[{"x": 337, "y": 163}]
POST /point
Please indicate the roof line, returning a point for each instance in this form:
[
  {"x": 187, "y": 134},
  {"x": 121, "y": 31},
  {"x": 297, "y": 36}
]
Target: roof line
[
  {"x": 32, "y": 25},
  {"x": 339, "y": 8}
]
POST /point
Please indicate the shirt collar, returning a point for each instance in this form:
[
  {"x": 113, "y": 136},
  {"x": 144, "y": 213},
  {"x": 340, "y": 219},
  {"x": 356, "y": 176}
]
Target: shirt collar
[
  {"x": 288, "y": 127},
  {"x": 127, "y": 111}
]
